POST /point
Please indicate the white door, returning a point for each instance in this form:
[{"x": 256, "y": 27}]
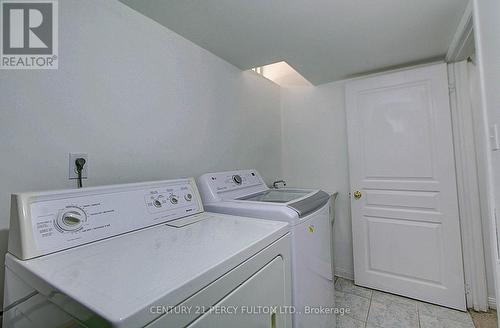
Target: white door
[{"x": 406, "y": 234}]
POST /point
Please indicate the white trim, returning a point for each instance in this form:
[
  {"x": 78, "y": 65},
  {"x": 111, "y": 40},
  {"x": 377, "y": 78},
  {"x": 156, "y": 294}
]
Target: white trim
[
  {"x": 484, "y": 28},
  {"x": 492, "y": 303},
  {"x": 342, "y": 83},
  {"x": 463, "y": 38},
  {"x": 468, "y": 187}
]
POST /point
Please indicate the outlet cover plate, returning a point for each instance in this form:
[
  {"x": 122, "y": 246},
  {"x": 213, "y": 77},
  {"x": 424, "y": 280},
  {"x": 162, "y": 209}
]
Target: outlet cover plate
[{"x": 72, "y": 166}]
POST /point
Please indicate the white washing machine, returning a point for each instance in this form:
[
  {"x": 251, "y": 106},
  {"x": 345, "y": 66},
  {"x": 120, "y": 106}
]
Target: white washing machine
[
  {"x": 245, "y": 193},
  {"x": 142, "y": 255}
]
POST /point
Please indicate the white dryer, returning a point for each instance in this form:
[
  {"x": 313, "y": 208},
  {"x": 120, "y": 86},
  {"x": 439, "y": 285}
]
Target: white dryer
[
  {"x": 142, "y": 255},
  {"x": 245, "y": 193}
]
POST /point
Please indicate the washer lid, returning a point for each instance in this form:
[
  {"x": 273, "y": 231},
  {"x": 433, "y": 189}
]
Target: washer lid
[
  {"x": 300, "y": 200},
  {"x": 120, "y": 278},
  {"x": 277, "y": 195},
  {"x": 310, "y": 204}
]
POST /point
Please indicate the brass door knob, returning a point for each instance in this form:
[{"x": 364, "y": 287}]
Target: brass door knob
[{"x": 357, "y": 194}]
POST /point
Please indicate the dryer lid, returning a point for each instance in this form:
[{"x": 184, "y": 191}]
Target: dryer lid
[{"x": 121, "y": 278}]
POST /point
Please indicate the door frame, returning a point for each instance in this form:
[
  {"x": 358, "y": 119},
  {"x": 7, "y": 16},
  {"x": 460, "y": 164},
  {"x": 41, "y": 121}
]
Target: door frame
[
  {"x": 470, "y": 191},
  {"x": 486, "y": 46},
  {"x": 464, "y": 119},
  {"x": 463, "y": 40}
]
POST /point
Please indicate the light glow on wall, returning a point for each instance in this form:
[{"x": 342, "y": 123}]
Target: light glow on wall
[{"x": 282, "y": 74}]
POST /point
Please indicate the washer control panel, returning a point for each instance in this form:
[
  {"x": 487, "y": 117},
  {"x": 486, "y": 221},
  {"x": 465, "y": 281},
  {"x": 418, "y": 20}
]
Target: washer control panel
[
  {"x": 64, "y": 219},
  {"x": 230, "y": 185},
  {"x": 234, "y": 180}
]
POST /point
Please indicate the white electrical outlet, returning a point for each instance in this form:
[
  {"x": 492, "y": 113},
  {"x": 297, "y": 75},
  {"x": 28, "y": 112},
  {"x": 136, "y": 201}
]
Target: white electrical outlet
[{"x": 72, "y": 166}]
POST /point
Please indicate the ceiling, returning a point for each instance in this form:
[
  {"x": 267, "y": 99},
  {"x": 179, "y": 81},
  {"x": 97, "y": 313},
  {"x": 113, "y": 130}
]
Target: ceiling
[{"x": 324, "y": 40}]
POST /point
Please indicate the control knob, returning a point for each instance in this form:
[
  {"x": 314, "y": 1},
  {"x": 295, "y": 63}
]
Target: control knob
[
  {"x": 71, "y": 219},
  {"x": 237, "y": 179}
]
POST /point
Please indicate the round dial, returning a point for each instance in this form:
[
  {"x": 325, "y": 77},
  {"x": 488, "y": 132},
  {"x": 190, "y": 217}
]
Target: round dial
[
  {"x": 71, "y": 219},
  {"x": 237, "y": 179}
]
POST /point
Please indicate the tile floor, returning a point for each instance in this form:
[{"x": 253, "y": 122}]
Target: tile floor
[
  {"x": 374, "y": 309},
  {"x": 484, "y": 319}
]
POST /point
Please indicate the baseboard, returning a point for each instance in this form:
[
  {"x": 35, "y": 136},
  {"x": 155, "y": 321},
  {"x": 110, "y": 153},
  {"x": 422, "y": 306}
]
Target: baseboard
[
  {"x": 344, "y": 274},
  {"x": 492, "y": 303}
]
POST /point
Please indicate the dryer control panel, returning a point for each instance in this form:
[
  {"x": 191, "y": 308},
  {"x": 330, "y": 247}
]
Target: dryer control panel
[{"x": 51, "y": 221}]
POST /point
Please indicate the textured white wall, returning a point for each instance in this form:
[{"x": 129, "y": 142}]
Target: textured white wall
[
  {"x": 315, "y": 154},
  {"x": 143, "y": 102}
]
